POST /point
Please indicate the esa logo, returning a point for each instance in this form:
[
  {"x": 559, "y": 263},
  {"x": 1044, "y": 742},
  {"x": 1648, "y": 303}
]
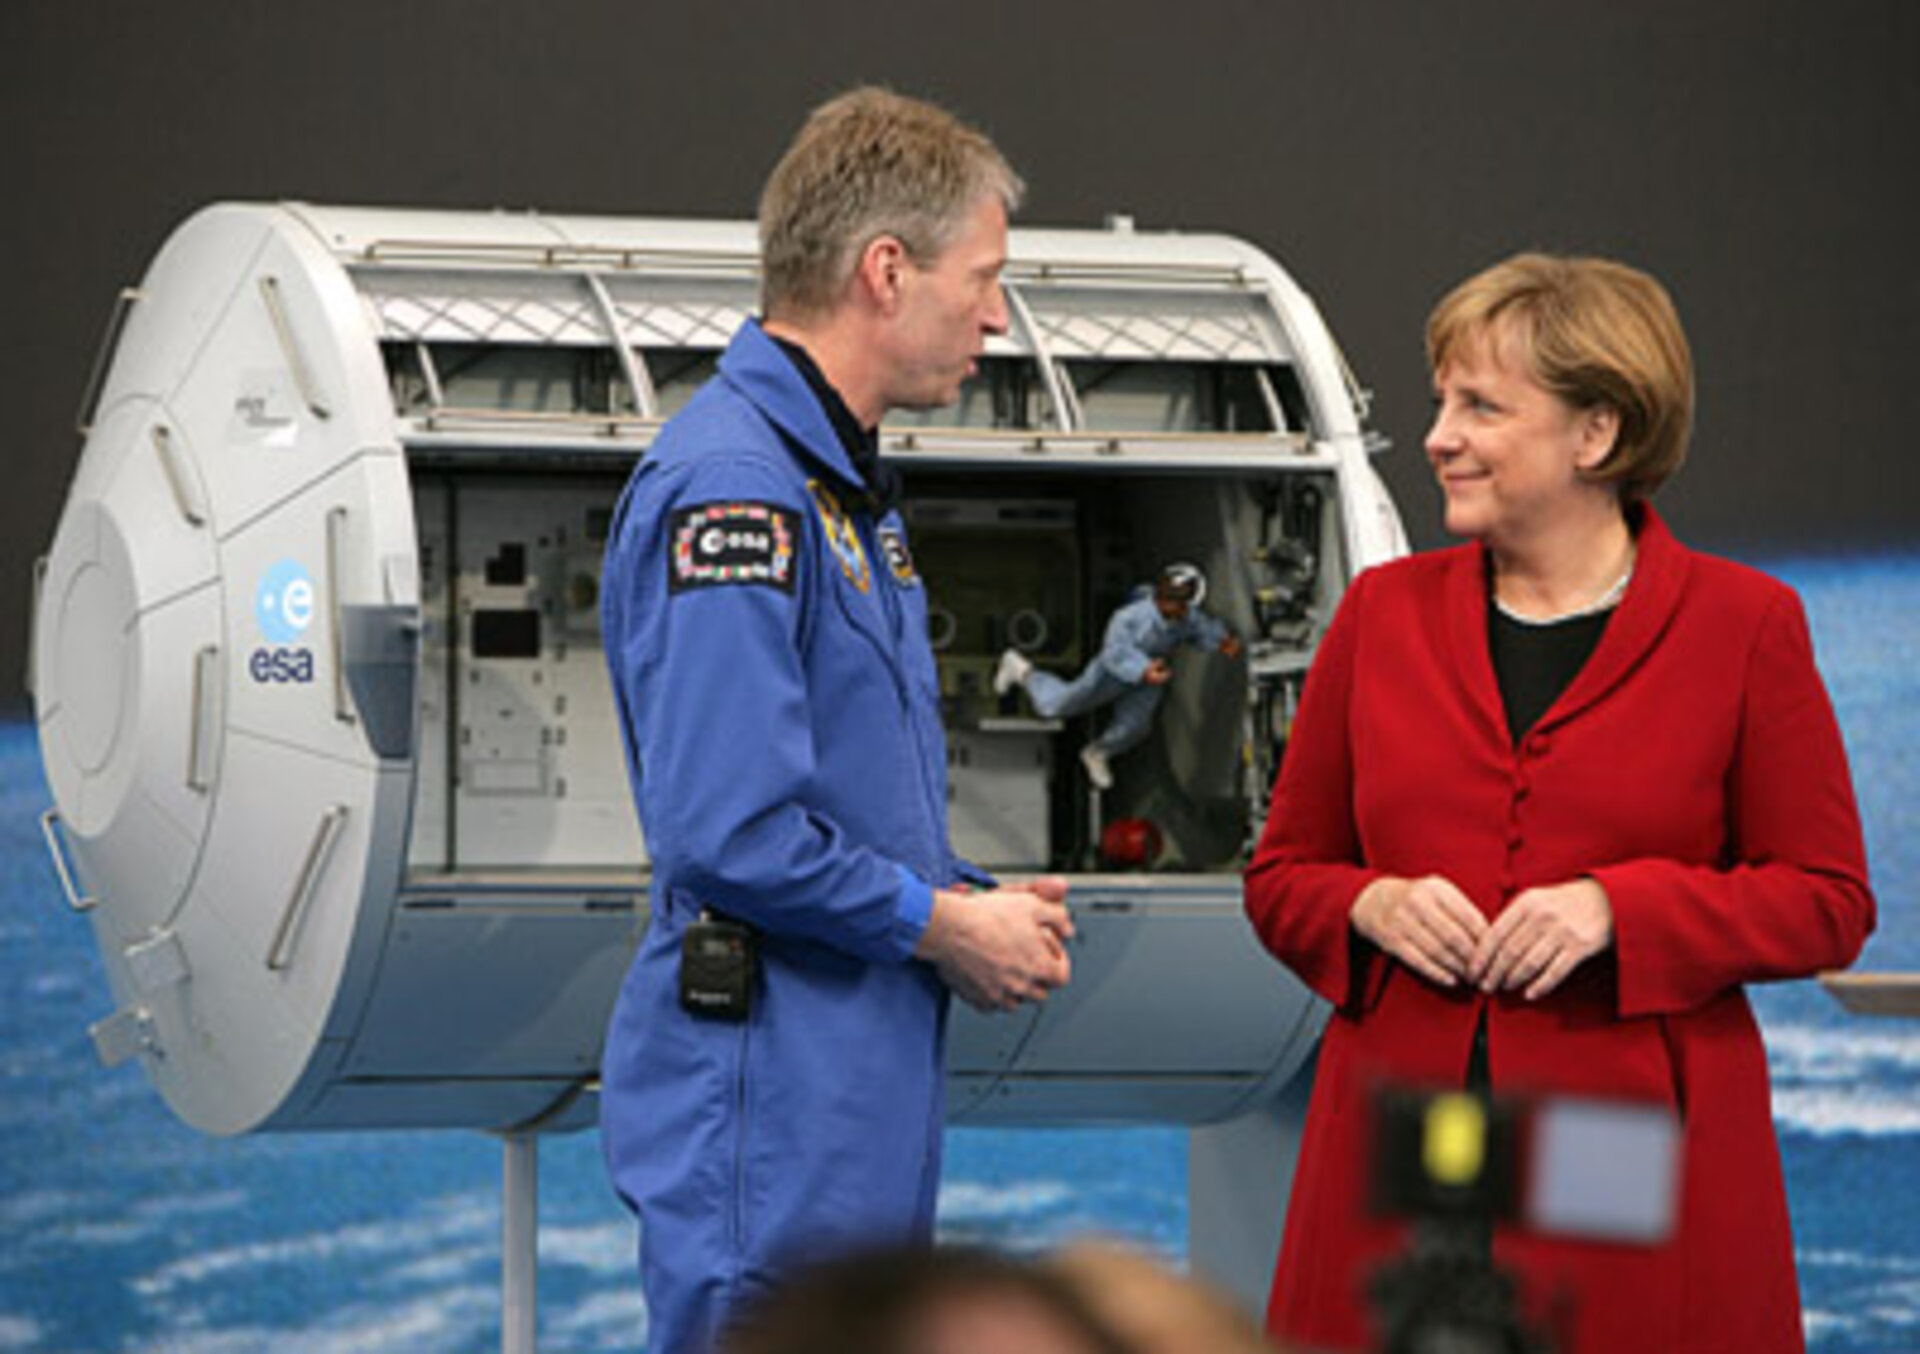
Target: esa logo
[
  {"x": 283, "y": 608},
  {"x": 714, "y": 541}
]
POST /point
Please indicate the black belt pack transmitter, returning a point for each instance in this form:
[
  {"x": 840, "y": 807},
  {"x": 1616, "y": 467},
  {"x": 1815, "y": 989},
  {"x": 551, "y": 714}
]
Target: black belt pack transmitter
[{"x": 718, "y": 959}]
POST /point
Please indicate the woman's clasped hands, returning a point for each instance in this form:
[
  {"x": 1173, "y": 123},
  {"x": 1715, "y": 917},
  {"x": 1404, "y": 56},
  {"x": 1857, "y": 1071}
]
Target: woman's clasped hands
[{"x": 1433, "y": 928}]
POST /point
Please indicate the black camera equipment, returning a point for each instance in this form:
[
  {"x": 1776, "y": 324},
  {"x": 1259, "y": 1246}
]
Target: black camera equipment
[
  {"x": 1450, "y": 1163},
  {"x": 1456, "y": 1163}
]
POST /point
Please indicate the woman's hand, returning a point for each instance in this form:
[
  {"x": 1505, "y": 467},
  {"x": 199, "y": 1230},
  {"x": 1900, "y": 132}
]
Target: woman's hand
[
  {"x": 1545, "y": 934},
  {"x": 1427, "y": 924}
]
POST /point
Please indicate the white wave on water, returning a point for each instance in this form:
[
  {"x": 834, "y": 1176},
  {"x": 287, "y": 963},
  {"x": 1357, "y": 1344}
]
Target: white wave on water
[
  {"x": 154, "y": 1212},
  {"x": 612, "y": 1320},
  {"x": 1845, "y": 1079},
  {"x": 48, "y": 986},
  {"x": 429, "y": 1230},
  {"x": 1803, "y": 1052},
  {"x": 1865, "y": 1110},
  {"x": 463, "y": 1318},
  {"x": 971, "y": 1202},
  {"x": 432, "y": 1303},
  {"x": 23, "y": 1212},
  {"x": 443, "y": 1264},
  {"x": 1860, "y": 1260},
  {"x": 611, "y": 1315},
  {"x": 41, "y": 1221},
  {"x": 604, "y": 1248},
  {"x": 430, "y": 1284},
  {"x": 49, "y": 1064},
  {"x": 1822, "y": 1326},
  {"x": 1872, "y": 1301},
  {"x": 20, "y": 1332}
]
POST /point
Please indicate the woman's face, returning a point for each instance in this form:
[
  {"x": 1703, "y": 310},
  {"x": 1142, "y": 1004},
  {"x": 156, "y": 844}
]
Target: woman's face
[{"x": 1508, "y": 453}]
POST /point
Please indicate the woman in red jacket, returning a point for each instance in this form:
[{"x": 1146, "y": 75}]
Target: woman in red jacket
[{"x": 1552, "y": 798}]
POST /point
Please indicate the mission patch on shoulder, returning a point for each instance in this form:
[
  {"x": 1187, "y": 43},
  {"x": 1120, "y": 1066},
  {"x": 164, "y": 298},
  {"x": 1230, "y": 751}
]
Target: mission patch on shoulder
[
  {"x": 732, "y": 542},
  {"x": 843, "y": 537},
  {"x": 893, "y": 542}
]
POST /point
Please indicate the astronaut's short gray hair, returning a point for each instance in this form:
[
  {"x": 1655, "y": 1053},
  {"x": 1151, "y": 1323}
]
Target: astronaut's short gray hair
[{"x": 870, "y": 163}]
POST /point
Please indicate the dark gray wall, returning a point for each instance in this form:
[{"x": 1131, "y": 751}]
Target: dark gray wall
[{"x": 1760, "y": 157}]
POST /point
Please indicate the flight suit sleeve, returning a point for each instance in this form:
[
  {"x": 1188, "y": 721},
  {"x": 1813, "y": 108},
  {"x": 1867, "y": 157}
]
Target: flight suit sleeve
[
  {"x": 717, "y": 563},
  {"x": 1120, "y": 651},
  {"x": 966, "y": 872},
  {"x": 1206, "y": 631}
]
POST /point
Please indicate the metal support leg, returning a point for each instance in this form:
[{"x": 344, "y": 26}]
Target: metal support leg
[
  {"x": 519, "y": 1242},
  {"x": 1239, "y": 1175},
  {"x": 1094, "y": 825}
]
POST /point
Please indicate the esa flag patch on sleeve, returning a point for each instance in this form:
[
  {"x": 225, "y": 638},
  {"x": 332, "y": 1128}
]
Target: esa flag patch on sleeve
[{"x": 716, "y": 544}]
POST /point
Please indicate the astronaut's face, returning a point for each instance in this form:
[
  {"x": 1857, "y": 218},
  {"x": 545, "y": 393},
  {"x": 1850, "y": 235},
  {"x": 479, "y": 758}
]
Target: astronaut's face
[
  {"x": 947, "y": 308},
  {"x": 1172, "y": 608}
]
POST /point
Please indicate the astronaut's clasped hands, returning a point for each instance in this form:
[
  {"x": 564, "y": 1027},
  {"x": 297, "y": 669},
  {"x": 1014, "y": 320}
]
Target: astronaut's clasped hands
[{"x": 998, "y": 948}]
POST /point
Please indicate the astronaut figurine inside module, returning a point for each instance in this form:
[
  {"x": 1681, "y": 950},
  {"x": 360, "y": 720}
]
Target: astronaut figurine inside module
[{"x": 1131, "y": 668}]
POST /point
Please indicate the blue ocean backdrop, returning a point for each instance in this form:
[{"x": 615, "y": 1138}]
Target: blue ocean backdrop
[{"x": 124, "y": 1230}]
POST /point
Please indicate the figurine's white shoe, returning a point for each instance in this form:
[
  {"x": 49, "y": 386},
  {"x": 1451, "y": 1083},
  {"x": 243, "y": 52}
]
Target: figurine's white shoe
[
  {"x": 1012, "y": 672},
  {"x": 1099, "y": 770}
]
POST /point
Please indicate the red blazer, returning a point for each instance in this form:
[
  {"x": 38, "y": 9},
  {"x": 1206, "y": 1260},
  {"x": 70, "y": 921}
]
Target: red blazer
[{"x": 1694, "y": 768}]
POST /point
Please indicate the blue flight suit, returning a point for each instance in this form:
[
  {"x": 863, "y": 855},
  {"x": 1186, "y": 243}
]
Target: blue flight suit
[
  {"x": 781, "y": 712},
  {"x": 1136, "y": 635}
]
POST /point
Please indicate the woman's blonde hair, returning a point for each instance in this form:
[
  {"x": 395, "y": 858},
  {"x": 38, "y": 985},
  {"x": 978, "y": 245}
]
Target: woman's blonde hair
[
  {"x": 1595, "y": 333},
  {"x": 869, "y": 163}
]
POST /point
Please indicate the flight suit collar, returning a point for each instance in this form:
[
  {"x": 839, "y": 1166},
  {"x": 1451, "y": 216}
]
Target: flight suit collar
[
  {"x": 862, "y": 445},
  {"x": 755, "y": 363}
]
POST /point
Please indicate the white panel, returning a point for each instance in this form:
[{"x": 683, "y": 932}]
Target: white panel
[
  {"x": 266, "y": 894},
  {"x": 380, "y": 232},
  {"x": 141, "y": 851},
  {"x": 231, "y": 1051},
  {"x": 541, "y": 776},
  {"x": 262, "y": 849},
  {"x": 190, "y": 283},
  {"x": 86, "y": 661},
  {"x": 228, "y": 1053},
  {"x": 429, "y": 846},
  {"x": 115, "y": 725},
  {"x": 997, "y": 798},
  {"x": 287, "y": 388},
  {"x": 282, "y": 594},
  {"x": 128, "y": 604}
]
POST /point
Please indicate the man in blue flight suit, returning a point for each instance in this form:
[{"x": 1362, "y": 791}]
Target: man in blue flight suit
[
  {"x": 1131, "y": 669},
  {"x": 772, "y": 1079}
]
